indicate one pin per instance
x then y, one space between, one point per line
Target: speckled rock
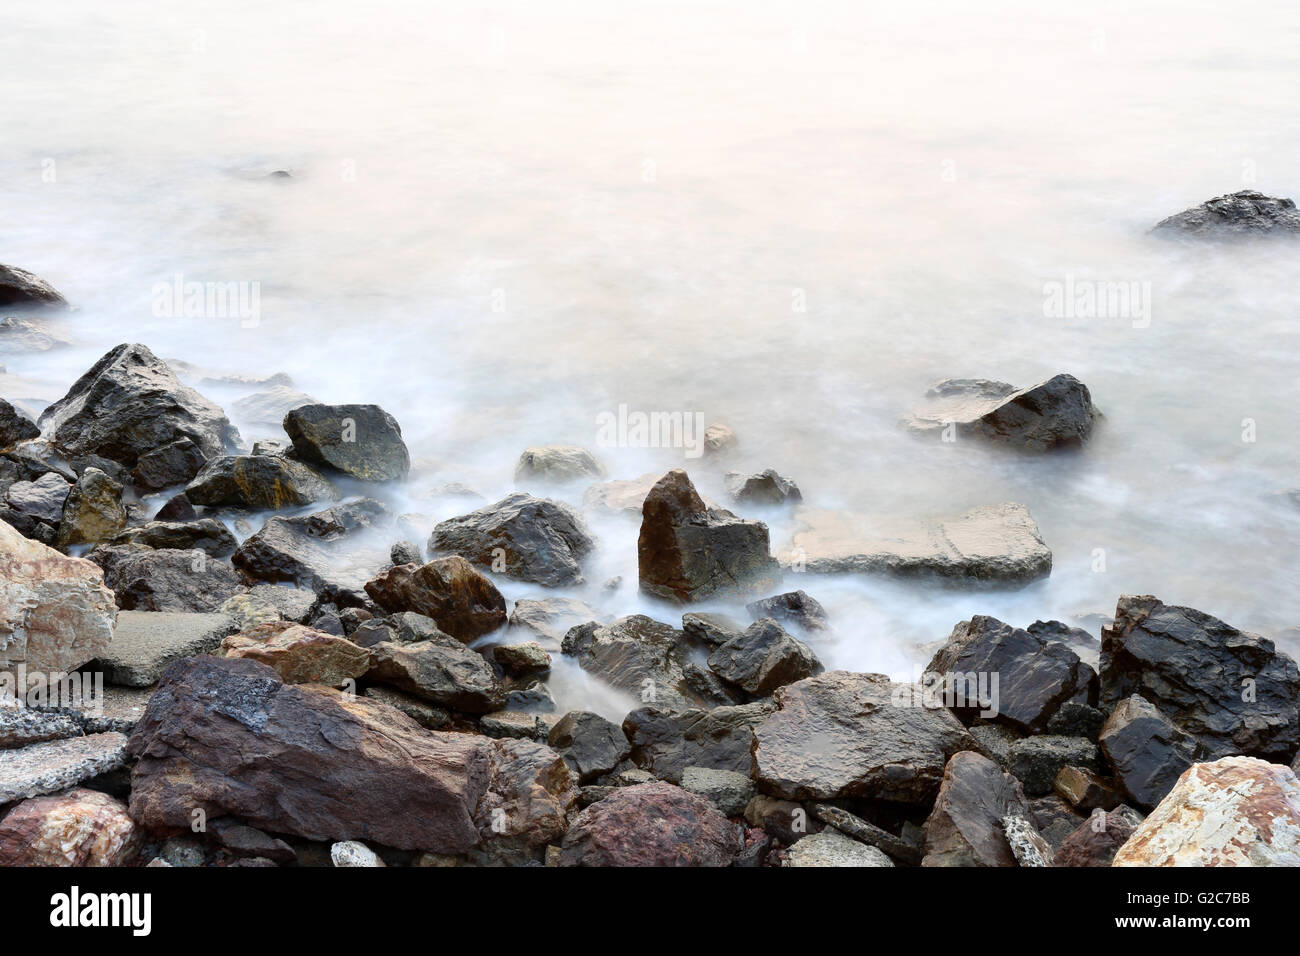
832 848
58 764
354 853
651 824
76 828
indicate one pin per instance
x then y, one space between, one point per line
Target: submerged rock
258 481
1057 413
18 287
651 824
557 463
1243 213
624 496
462 601
550 619
362 441
268 408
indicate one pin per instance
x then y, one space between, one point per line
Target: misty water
502 222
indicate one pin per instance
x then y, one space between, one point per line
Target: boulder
713 630
1037 760
23 335
146 642
77 828
651 824
1236 811
842 735
1229 689
463 602
362 441
766 488
589 744
93 510
1096 841
522 537
299 654
258 482
130 405
550 619
406 552
763 658
557 464
18 287
166 580
55 613
528 803
520 660
1243 213
832 848
688 552
1146 750
58 764
997 546
666 742
793 607
202 534
1085 790
1054 414
965 828
35 508
15 426
443 672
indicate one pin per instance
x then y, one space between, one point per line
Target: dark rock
1074 719
868 833
362 441
652 824
666 742
1243 213
522 537
204 534
965 828
1054 414
35 508
711 629
727 790
177 509
995 741
1055 818
165 579
765 488
463 602
444 672
258 481
764 658
169 464
406 552
18 287
589 744
422 712
245 841
1096 841
793 607
15 426
1148 752
1037 760
1080 641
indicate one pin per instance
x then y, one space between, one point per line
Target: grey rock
167 579
1026 843
352 853
763 658
1146 750
1054 414
589 744
711 629
1037 760
995 741
727 790
1243 213
203 534
258 481
551 619
896 847
18 287
832 848
666 742
93 510
965 826
422 712
29 505
443 672
15 426
557 463
20 726
793 607
362 441
765 488
406 552
145 642
58 764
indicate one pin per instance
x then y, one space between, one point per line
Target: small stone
1029 847
353 853
832 848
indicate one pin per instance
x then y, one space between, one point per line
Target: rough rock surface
145 642
21 725
1237 811
18 287
1057 413
166 579
14 425
58 764
833 848
35 508
1243 213
651 824
1147 752
965 828
353 853
1027 844
589 744
557 463
1096 841
864 832
763 658
442 671
362 441
793 607
299 654
204 534
765 488
666 742
1037 760
258 481
462 601
522 537
727 790
77 828
93 510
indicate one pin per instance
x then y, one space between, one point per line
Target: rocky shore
286 671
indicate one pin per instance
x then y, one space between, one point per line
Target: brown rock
76 828
965 828
1085 790
530 794
651 824
1096 841
300 655
462 601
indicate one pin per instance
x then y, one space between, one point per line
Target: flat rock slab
58 764
995 546
145 642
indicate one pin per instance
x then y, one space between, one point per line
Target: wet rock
557 464
688 552
170 464
767 488
1037 760
1146 750
354 853
666 742
997 546
965 827
793 607
1236 811
362 441
406 552
832 848
1231 690
1027 845
258 481
652 824
93 510
461 600
868 833
18 287
522 659
177 509
35 508
532 700
522 537
843 735
727 790
77 828
1096 841
204 534
1054 414
1076 638
15 426
55 613
711 629
443 672
300 655
130 405
146 642
1035 677
1243 213
551 619
58 764
763 658
166 580
589 744
267 408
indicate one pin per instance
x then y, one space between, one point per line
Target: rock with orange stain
77 828
299 654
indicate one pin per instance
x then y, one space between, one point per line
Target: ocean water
506 219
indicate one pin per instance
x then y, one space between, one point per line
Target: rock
93 510
832 848
667 742
1096 841
965 827
512 724
249 842
719 438
258 481
58 764
1080 641
532 700
55 613
624 496
1055 818
522 537
1236 811
688 552
1074 719
130 405
727 790
183 852
21 335
522 659
77 828
793 607
423 713
406 552
763 658
995 741
35 508
711 629
843 735
354 853
530 797
1085 790
362 441
18 287
300 655
589 744
1229 689
1035 677
443 672
766 488
267 408
146 642
22 725
1243 213
783 819
868 833
462 601
551 619
1148 752
15 426
229 737
166 579
265 603
557 464
1028 846
1037 760
327 550
177 509
1054 414
204 534
171 464
643 657
651 824
997 546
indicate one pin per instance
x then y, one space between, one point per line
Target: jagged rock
258 481
1243 213
22 725
167 579
727 790
1057 413
462 601
1037 760
651 824
763 658
1035 677
793 607
1229 689
557 463
1236 811
997 546
522 659
203 534
1076 638
267 408
711 629
1074 719
177 510
1096 841
688 552
512 724
362 441
589 744
965 826
868 833
1085 790
130 405
530 797
15 426
1054 817
765 488
843 735
1027 845
551 619
58 764
1148 752
443 672
146 642
35 508
300 655
93 510
522 537
406 552
666 742
55 613
995 741
77 828
832 848
354 853
18 287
